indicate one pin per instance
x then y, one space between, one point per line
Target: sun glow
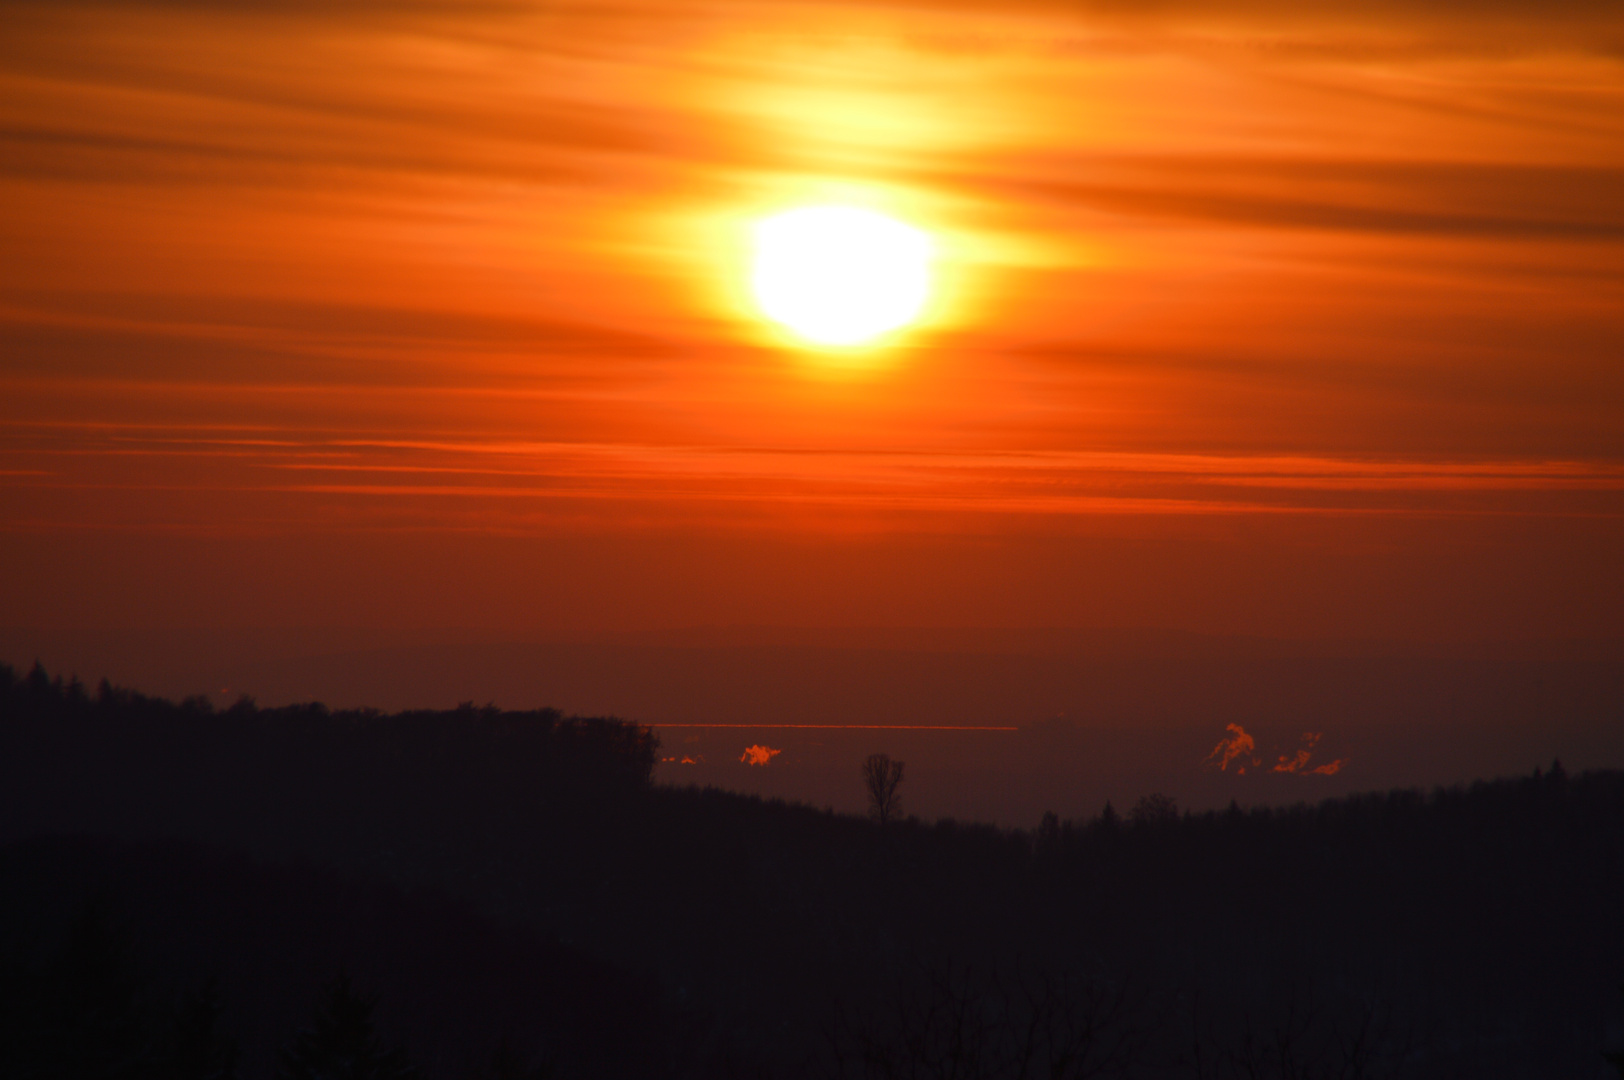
840 276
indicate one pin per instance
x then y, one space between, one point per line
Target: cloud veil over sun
1240 316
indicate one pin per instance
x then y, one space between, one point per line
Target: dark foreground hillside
178 884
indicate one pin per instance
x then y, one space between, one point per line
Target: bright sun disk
840 275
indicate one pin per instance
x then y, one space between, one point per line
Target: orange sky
1248 321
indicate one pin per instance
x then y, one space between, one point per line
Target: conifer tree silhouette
1154 809
1046 841
509 1064
198 1049
1615 1058
341 1044
91 1023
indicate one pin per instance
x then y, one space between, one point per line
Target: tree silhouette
342 1044
1154 809
955 1020
198 1048
1046 841
1615 1059
88 1020
882 776
509 1064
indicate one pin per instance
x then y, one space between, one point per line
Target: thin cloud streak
854 727
922 481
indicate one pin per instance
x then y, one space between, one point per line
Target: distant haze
1100 714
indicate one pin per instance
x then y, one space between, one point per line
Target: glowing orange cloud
758 755
1238 744
1300 759
1298 762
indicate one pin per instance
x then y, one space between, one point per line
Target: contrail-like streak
853 727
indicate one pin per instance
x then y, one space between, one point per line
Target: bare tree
882 777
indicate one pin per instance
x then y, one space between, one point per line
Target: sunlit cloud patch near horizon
1240 749
1237 748
759 755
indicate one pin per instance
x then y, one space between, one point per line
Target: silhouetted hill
453 989
1472 931
1101 714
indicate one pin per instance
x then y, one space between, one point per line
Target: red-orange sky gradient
1254 317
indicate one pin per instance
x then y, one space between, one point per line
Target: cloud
304 9
1515 26
498 476
1298 762
1240 748
1460 200
1238 745
758 755
1356 12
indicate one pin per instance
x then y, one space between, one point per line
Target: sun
840 276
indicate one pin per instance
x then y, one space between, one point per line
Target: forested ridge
518 898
